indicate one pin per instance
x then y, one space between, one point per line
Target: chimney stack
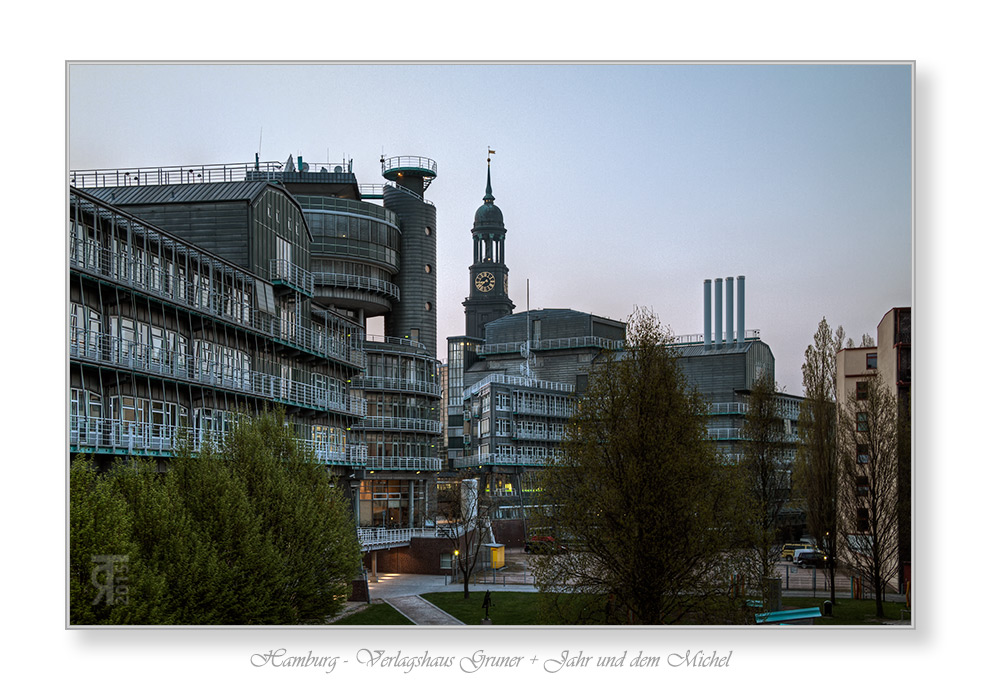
708 314
730 339
718 312
741 309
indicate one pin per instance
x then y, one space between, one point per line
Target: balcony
292 275
108 435
496 459
540 435
512 380
590 341
394 384
159 283
360 282
426 464
112 351
388 423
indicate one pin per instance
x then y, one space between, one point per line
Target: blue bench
754 603
785 616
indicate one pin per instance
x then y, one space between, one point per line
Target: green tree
304 512
253 533
110 580
870 486
767 459
653 517
816 471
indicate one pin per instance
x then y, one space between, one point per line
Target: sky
621 185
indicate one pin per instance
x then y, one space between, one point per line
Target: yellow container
497 555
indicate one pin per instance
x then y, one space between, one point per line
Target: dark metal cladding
415 317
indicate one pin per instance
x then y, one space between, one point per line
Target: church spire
488 195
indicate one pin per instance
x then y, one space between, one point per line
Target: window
861 485
862 391
871 360
862 454
862 422
862 519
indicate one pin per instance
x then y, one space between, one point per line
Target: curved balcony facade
355 253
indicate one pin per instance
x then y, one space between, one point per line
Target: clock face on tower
484 281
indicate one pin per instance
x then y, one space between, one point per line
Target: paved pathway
420 611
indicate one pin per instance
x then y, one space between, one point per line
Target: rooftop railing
194 174
513 380
589 341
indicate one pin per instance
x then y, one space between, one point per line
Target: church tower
488 299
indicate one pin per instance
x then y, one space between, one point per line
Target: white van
798 552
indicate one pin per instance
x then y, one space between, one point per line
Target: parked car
811 557
791 547
544 544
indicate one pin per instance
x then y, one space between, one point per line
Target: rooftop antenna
527 325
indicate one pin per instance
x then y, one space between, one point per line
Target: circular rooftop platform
402 166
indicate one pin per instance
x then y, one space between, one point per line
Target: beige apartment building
891 359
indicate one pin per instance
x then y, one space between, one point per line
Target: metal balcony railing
732 407
518 381
546 435
292 274
194 174
726 434
530 408
92 257
361 282
395 384
422 425
131 355
428 464
510 460
550 344
142 437
394 340
382 538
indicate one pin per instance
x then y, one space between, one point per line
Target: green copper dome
488 214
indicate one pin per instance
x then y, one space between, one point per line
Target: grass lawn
375 614
509 608
506 608
847 611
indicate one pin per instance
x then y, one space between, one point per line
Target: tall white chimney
730 339
718 311
741 309
708 314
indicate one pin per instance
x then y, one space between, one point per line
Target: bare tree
816 473
766 460
869 498
653 517
465 520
